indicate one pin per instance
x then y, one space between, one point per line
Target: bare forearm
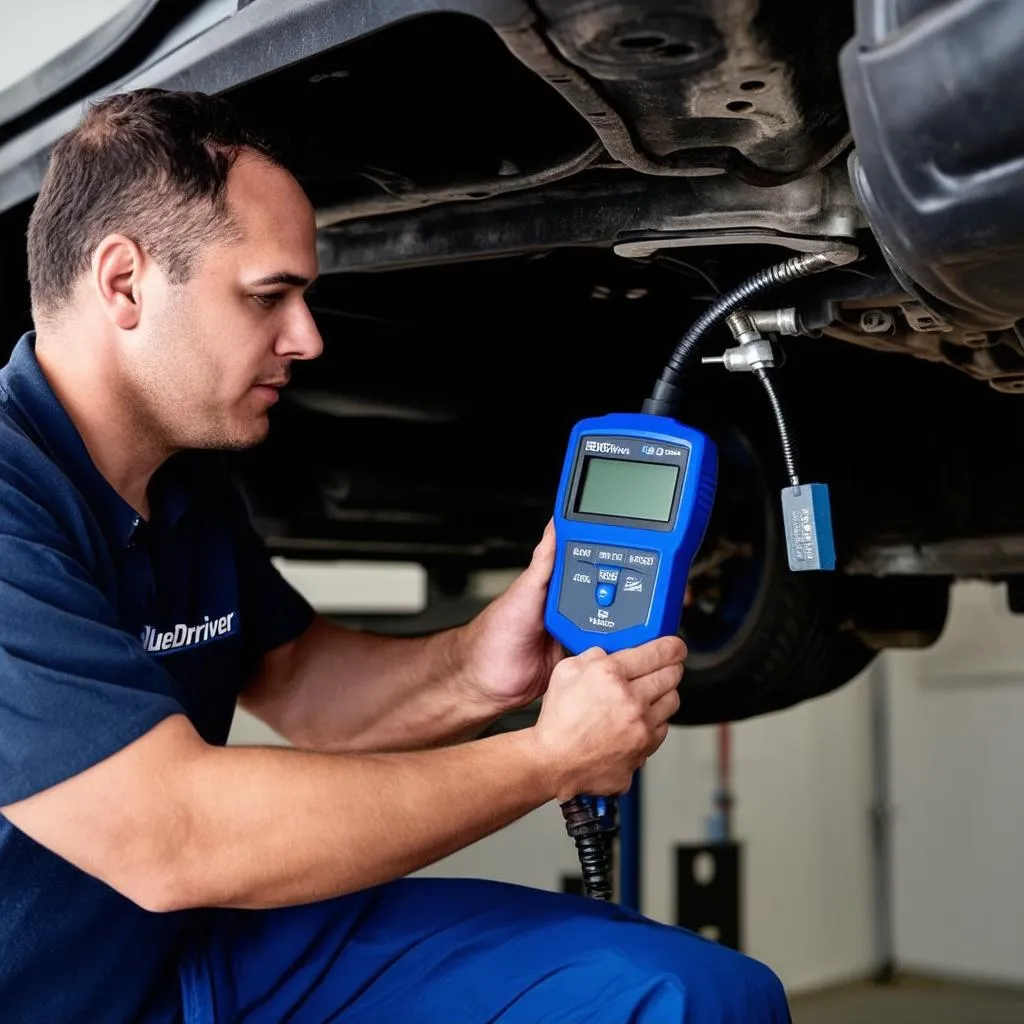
355 691
271 827
171 822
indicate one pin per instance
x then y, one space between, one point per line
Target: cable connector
753 351
754 355
778 321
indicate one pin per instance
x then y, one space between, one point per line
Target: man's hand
605 714
508 655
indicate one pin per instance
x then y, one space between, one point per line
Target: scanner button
605 594
632 583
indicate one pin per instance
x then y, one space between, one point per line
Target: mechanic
148 871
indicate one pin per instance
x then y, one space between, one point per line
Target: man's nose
301 338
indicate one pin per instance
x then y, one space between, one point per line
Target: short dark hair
150 164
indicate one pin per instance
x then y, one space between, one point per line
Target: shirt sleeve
74 686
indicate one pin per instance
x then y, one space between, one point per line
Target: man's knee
722 986
719 987
759 993
740 990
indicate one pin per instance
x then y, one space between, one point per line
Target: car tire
790 640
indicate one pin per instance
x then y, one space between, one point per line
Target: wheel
761 637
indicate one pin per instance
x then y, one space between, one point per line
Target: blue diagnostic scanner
633 503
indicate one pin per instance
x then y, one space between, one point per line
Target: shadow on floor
911 1001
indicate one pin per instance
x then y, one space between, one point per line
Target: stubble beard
171 393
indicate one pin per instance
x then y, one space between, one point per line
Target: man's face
214 352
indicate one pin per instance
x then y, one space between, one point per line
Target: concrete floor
911 1001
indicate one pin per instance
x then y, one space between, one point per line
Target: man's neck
87 386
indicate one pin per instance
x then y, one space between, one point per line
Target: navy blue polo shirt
108 625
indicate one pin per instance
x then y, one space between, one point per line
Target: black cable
780 420
665 395
584 828
582 821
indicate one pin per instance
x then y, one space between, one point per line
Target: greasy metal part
698 88
924 320
748 238
752 352
907 343
776 321
816 214
411 197
996 358
636 216
742 328
876 321
813 263
751 355
961 557
527 44
744 87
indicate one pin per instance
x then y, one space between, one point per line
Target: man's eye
268 300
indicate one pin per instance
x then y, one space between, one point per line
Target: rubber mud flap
935 98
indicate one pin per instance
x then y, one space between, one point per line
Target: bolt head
876 321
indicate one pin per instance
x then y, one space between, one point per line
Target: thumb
543 561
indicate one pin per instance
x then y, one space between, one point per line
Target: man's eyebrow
282 277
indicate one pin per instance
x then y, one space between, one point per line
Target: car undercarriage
521 208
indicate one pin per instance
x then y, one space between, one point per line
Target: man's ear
117 264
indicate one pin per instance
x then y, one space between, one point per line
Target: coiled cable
584 827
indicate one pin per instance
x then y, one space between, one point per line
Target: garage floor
911 1001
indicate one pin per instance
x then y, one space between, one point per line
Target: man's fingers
664 707
660 735
651 656
655 685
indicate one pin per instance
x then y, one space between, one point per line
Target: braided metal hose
780 421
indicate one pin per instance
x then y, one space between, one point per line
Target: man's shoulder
35 493
24 464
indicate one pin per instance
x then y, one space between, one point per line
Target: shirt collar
23 383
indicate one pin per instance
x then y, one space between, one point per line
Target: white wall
34 32
958 794
804 782
803 791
